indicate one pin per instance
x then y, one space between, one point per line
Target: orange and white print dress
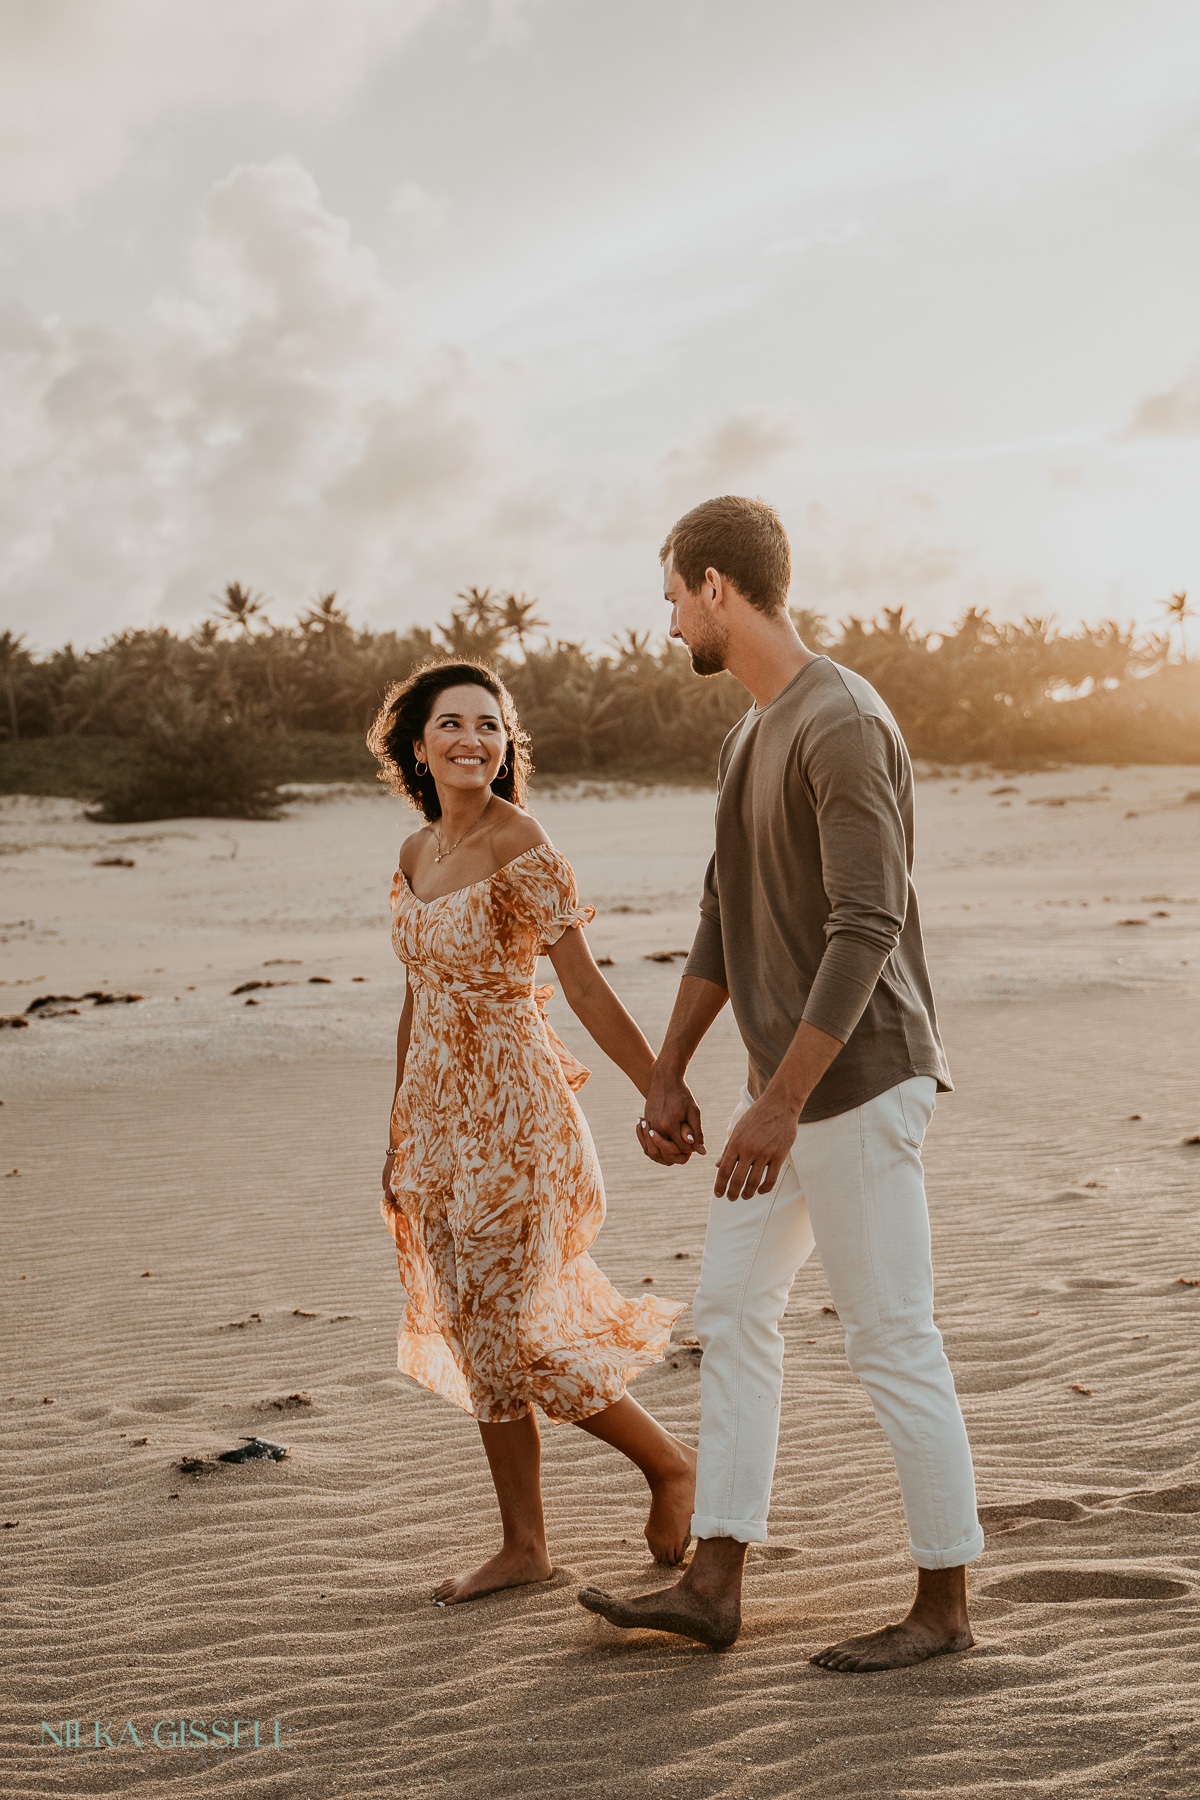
496 1192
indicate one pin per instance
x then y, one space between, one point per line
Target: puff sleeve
550 898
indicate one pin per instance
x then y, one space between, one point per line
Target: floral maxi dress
496 1192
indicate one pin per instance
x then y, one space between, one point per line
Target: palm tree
13 659
1178 612
328 622
1108 652
518 616
811 626
477 629
238 606
325 611
481 604
632 646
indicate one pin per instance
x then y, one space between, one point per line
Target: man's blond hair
741 539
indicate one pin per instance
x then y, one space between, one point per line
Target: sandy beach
195 1256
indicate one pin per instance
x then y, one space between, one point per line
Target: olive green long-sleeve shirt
808 910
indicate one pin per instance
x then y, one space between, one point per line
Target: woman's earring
421 768
503 770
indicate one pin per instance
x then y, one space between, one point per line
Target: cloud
860 559
422 220
271 421
634 503
727 455
820 237
81 80
1173 413
272 418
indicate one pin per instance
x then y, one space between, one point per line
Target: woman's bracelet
390 1152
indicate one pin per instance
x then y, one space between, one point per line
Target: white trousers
854 1189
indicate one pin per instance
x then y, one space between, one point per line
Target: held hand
388 1165
756 1150
670 1129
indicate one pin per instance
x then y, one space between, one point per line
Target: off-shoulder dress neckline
483 880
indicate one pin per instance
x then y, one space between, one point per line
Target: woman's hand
670 1129
389 1163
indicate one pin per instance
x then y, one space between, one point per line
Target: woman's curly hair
406 710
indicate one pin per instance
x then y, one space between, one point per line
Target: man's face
692 622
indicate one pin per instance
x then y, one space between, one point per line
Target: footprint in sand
1071 1586
1007 1516
166 1403
1184 1499
770 1559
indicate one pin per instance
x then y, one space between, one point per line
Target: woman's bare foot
508 1568
668 1464
668 1529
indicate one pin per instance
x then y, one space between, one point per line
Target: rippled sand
194 1256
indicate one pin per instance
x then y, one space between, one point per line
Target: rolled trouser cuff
952 1558
746 1531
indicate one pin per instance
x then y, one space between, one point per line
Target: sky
396 297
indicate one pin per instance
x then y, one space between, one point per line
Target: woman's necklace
442 853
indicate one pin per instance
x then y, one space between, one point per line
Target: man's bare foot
508 1568
672 1502
937 1625
705 1604
892 1647
674 1609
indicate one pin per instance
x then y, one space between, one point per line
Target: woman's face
465 741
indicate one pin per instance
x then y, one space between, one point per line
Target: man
809 925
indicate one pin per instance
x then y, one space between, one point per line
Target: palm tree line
984 690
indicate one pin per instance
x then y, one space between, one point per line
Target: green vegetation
83 768
197 758
153 724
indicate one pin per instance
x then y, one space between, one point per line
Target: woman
490 1185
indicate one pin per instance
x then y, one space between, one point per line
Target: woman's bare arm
403 1033
598 1009
673 1130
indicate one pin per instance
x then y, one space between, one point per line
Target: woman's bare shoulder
515 831
410 848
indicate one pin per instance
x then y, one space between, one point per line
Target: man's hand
670 1129
758 1145
756 1149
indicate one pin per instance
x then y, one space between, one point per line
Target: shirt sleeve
707 956
852 773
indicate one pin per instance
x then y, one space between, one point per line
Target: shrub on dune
198 760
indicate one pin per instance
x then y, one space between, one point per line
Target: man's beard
707 649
